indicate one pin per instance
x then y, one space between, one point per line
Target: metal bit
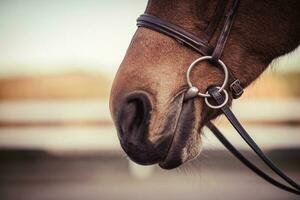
191 93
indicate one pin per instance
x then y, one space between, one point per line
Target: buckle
236 89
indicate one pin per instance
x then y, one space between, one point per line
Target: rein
219 94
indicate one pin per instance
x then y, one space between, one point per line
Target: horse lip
183 127
154 154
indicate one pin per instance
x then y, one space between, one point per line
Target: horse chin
186 143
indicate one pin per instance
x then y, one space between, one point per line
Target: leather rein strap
205 48
218 98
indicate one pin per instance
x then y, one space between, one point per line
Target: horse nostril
134 116
133 127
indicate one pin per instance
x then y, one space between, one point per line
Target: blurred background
57 141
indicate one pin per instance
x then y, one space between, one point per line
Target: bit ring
225 70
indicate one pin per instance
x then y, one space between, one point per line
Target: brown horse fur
155 63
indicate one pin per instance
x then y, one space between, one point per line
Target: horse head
154 123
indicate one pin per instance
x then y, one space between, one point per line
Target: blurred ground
35 175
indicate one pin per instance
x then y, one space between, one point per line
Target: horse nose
133 124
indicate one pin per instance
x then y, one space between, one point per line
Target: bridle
219 95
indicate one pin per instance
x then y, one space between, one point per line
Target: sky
38 36
51 35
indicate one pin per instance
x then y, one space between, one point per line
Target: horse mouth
185 144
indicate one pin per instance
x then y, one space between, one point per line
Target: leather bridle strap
219 99
176 32
202 46
225 31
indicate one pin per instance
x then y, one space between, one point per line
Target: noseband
219 95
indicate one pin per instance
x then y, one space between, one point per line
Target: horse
155 124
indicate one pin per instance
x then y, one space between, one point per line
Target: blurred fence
85 125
